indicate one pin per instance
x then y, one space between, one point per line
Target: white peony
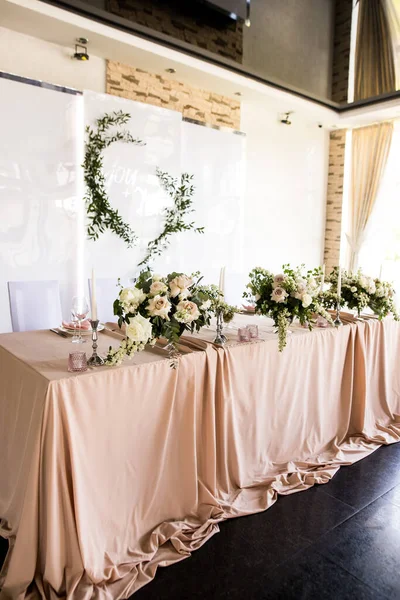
306 300
130 298
159 306
279 294
206 305
139 330
158 287
187 312
179 286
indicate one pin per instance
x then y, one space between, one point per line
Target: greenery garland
99 210
101 215
181 195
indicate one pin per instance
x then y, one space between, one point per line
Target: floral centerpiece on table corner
218 304
156 307
292 293
359 292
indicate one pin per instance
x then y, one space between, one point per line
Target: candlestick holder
337 322
95 360
220 338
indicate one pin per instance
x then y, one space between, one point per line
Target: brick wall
341 50
340 82
185 20
334 199
136 84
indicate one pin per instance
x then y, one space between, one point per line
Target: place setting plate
69 331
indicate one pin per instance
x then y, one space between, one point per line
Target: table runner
108 474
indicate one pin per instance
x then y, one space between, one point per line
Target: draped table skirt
108 474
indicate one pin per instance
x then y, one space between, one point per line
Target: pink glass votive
253 330
243 334
321 322
77 361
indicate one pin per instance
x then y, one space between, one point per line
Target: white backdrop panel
38 192
217 161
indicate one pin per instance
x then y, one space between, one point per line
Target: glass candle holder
253 330
243 334
77 361
321 322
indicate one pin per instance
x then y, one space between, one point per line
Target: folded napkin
113 330
195 343
84 325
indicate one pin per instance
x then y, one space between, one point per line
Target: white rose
279 278
206 305
159 306
187 312
156 277
353 289
139 330
179 285
306 300
130 298
157 287
279 294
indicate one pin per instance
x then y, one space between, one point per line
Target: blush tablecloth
108 474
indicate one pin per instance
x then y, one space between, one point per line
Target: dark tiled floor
339 541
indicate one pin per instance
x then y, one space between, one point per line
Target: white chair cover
34 305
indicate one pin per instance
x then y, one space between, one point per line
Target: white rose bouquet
359 292
382 301
292 293
156 307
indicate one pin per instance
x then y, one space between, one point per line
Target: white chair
106 293
34 305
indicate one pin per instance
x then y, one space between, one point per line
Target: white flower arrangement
359 292
157 307
292 293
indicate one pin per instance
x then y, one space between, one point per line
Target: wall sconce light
81 52
286 120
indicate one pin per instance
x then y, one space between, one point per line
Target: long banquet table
108 474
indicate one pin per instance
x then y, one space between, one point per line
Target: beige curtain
374 60
370 152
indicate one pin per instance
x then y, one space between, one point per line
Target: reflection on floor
337 541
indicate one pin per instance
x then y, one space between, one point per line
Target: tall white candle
380 272
339 283
322 278
94 303
222 280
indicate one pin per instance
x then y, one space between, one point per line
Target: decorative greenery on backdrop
182 195
100 213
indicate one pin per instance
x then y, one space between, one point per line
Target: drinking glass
80 310
74 320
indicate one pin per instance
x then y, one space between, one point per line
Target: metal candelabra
95 360
337 322
220 338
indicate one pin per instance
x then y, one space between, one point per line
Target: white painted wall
34 58
285 195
